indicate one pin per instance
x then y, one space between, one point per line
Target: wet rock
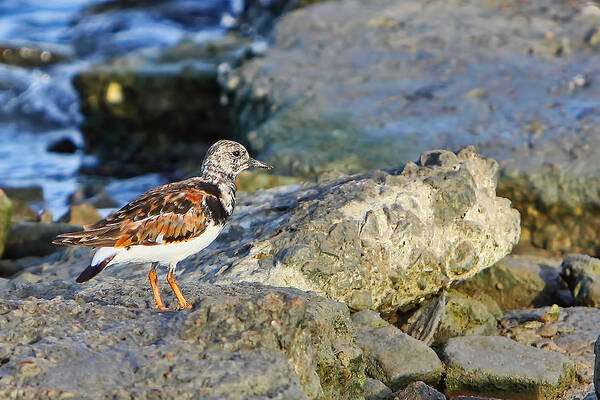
518 281
239 340
419 391
34 238
6 210
139 113
32 194
494 366
259 16
393 357
64 145
376 390
31 55
582 275
81 214
453 314
22 212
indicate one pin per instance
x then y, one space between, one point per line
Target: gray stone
105 340
518 281
34 238
453 314
376 390
419 391
6 211
582 275
368 319
31 194
499 367
393 357
400 236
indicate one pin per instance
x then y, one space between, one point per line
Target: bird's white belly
166 254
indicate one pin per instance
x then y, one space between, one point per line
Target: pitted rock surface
102 340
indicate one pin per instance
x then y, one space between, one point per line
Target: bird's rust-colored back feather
166 214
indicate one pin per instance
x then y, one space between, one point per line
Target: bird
169 222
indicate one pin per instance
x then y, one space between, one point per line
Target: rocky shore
335 290
375 267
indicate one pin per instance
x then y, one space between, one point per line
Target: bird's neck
225 183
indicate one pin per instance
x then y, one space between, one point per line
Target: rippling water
40 105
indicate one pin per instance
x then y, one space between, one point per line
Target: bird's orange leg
155 291
182 301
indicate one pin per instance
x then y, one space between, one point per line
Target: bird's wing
166 214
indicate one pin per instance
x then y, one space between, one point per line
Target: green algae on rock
6 211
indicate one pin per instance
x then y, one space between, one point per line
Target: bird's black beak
252 163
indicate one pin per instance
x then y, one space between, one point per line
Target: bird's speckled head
228 158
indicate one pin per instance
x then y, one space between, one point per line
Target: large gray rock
392 356
495 366
381 240
582 275
105 340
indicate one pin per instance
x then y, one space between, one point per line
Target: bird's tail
95 267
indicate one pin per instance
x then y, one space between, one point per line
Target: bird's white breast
165 254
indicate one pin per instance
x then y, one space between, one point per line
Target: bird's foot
162 308
184 306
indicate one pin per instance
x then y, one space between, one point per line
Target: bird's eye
236 153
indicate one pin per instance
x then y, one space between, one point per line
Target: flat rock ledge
380 241
101 341
493 366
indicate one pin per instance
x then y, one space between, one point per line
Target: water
39 105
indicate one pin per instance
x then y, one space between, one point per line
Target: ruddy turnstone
170 222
